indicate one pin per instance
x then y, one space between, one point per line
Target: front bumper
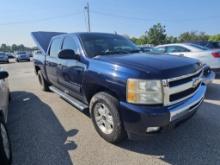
3 60
137 118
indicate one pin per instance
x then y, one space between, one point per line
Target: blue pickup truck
126 91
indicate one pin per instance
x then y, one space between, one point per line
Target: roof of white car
186 45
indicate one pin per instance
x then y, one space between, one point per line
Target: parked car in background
208 44
5 148
205 55
126 91
30 53
10 55
4 57
145 48
37 52
22 56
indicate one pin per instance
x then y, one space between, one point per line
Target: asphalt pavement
46 130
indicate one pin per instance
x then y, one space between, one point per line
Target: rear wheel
44 84
5 147
106 117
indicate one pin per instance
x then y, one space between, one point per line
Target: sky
19 18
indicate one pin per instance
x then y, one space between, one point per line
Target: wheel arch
94 88
36 69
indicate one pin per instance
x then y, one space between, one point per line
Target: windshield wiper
116 52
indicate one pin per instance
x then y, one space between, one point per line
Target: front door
71 71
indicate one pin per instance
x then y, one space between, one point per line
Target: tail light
216 54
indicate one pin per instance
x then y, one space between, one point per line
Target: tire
112 120
44 84
5 156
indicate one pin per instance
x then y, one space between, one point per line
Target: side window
160 50
55 47
69 43
176 49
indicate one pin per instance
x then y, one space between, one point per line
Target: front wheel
106 117
5 147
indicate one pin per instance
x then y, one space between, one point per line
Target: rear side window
69 43
173 49
55 47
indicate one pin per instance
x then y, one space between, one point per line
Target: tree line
157 35
14 47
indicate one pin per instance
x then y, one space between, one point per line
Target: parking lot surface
46 130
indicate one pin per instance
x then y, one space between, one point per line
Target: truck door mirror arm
68 54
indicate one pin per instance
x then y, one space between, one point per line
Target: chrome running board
76 103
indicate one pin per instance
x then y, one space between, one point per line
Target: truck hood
42 39
167 66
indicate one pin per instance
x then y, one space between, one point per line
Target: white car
5 148
205 55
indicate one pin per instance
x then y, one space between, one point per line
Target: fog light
152 129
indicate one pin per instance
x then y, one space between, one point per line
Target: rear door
70 70
52 61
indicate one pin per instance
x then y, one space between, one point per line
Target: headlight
144 91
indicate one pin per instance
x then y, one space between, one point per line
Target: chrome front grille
180 88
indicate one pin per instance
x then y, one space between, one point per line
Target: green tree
171 39
156 34
14 47
193 36
139 41
214 37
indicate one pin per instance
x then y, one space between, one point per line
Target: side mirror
3 75
68 54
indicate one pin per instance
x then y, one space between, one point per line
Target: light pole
88 16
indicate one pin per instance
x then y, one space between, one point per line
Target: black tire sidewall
42 81
3 157
118 133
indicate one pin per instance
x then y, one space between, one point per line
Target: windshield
199 47
106 44
2 54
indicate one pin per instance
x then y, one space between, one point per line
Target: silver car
4 57
5 148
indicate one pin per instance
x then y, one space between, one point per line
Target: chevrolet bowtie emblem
195 83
